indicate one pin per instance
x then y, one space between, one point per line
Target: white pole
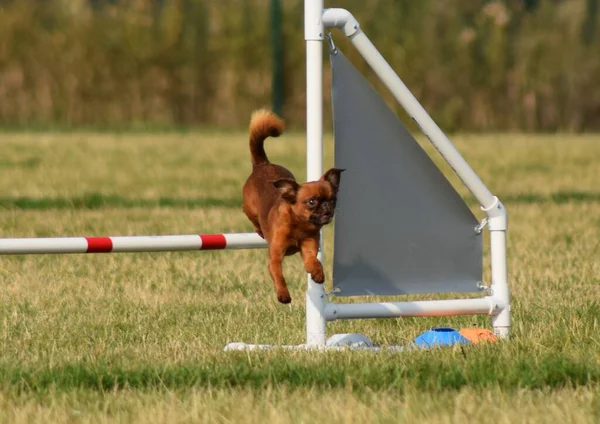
499 286
313 34
424 308
63 245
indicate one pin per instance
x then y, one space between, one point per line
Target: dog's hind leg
252 215
255 223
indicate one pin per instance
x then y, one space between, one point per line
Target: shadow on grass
27 163
102 201
428 371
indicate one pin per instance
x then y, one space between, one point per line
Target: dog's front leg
276 255
309 250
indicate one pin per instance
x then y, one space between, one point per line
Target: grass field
139 337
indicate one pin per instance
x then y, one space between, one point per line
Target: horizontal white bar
485 305
245 241
59 245
155 243
17 246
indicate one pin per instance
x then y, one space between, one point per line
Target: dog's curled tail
263 124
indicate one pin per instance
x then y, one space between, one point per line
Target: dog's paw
318 276
284 297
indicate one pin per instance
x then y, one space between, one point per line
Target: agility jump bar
122 244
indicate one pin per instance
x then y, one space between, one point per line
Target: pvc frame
318 309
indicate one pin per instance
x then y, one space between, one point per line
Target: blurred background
476 65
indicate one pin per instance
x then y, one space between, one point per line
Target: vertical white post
313 34
498 225
499 287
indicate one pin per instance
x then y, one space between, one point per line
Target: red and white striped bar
50 245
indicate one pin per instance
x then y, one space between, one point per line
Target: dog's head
313 202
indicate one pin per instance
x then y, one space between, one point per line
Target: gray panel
400 226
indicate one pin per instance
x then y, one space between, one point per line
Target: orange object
476 335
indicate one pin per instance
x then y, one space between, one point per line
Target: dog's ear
288 188
332 176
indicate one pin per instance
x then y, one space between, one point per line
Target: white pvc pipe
62 245
485 305
342 19
499 286
313 21
313 33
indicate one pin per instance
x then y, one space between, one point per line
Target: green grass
359 373
100 201
140 337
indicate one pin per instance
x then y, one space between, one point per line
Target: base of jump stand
349 341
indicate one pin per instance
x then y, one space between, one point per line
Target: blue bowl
440 337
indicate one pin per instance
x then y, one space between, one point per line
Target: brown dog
288 215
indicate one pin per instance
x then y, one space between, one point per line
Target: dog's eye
312 202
